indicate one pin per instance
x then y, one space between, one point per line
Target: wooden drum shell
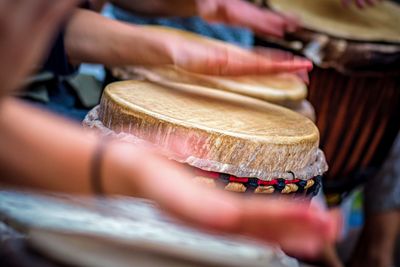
359 119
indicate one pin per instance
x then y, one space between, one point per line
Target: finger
272 22
264 66
170 186
203 208
360 3
292 21
260 21
289 224
303 75
346 3
297 64
242 62
337 223
236 67
370 2
273 54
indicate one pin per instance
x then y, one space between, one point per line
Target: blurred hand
360 3
282 55
207 56
26 27
241 13
298 228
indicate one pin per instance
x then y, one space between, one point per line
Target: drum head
374 24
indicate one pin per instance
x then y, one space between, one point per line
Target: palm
297 227
201 55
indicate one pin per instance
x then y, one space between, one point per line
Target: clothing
235 35
53 92
57 87
382 193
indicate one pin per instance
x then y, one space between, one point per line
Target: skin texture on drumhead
378 23
214 125
284 88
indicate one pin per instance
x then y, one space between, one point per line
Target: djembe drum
355 86
234 142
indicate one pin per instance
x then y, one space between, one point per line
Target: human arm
93 38
234 12
43 151
165 8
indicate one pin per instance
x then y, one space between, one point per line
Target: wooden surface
359 119
379 23
214 125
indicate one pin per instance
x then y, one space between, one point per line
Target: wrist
145 45
120 170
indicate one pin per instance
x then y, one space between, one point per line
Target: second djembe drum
355 86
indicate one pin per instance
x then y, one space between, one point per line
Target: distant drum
355 85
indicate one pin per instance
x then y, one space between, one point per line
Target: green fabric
40 78
38 93
88 89
37 87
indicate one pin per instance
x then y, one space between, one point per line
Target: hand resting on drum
93 38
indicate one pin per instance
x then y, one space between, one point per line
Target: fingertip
308 65
360 4
336 225
220 213
307 248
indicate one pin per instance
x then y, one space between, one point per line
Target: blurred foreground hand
300 229
53 154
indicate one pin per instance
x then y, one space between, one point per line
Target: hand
298 228
281 55
26 27
361 3
241 13
203 55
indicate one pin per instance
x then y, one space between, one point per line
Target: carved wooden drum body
355 85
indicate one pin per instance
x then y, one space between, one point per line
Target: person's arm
181 8
234 12
93 38
39 150
43 151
